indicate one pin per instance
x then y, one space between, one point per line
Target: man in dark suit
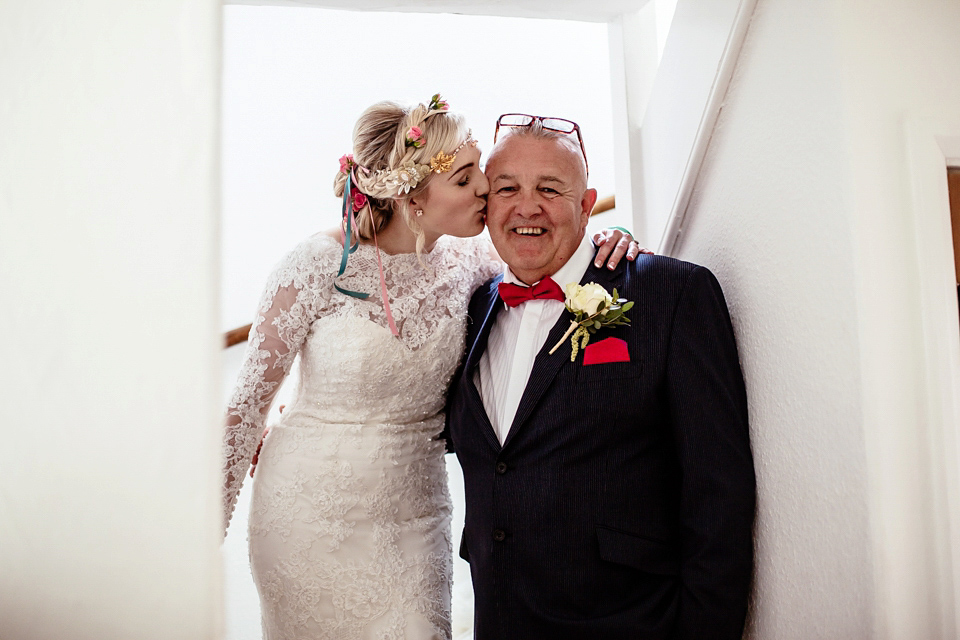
611 496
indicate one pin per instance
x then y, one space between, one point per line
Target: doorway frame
932 148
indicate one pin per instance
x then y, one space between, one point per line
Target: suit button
501 468
499 535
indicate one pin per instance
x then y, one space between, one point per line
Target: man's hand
613 245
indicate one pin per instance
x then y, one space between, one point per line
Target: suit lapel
490 308
546 366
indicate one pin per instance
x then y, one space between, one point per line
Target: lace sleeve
289 305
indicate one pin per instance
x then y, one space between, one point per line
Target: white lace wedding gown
350 516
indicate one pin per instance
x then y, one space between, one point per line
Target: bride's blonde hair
381 150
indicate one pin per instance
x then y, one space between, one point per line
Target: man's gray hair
537 131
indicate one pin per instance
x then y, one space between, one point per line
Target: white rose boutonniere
592 308
587 298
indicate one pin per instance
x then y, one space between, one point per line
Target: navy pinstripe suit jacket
621 503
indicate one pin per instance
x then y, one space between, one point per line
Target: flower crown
400 180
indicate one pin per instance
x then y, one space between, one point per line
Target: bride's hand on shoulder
613 245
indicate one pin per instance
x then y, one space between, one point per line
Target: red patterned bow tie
546 289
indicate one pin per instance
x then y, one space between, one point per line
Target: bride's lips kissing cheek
455 203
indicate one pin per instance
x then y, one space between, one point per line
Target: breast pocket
608 371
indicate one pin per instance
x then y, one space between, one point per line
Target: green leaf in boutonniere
593 309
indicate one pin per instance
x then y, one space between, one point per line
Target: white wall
891 90
108 201
638 38
804 210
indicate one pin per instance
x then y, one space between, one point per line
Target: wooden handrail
604 204
241 334
236 336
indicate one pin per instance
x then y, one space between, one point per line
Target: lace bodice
354 370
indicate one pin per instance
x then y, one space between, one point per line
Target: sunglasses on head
560 125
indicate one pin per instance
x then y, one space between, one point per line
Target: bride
350 517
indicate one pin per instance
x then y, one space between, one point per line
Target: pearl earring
419 212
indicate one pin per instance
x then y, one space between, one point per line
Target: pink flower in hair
359 200
415 137
346 163
438 103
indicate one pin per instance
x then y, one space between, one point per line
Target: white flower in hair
405 177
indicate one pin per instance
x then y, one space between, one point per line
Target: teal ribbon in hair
350 243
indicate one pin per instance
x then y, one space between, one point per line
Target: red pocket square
608 350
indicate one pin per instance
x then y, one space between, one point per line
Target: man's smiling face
538 205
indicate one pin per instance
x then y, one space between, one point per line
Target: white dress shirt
515 340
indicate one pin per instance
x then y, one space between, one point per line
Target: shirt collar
571 271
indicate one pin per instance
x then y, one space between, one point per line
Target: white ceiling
583 10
